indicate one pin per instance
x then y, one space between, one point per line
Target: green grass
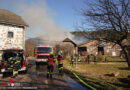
114 59
101 71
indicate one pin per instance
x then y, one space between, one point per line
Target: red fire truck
42 52
5 64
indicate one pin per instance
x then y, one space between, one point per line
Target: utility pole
76 57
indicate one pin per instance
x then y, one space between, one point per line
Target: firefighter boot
15 73
60 70
51 76
47 75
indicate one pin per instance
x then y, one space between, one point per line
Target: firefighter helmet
51 53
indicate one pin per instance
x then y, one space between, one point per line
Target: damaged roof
68 40
7 17
93 42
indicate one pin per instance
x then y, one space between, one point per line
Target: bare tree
111 22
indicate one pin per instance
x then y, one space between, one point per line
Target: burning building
68 47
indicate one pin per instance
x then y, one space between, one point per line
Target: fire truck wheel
24 72
37 63
3 74
0 72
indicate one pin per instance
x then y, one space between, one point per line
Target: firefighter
11 62
72 60
88 57
60 63
16 65
50 66
95 61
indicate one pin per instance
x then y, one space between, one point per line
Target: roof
68 40
7 17
93 42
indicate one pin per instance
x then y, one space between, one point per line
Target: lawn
98 74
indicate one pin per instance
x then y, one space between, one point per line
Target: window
43 50
10 34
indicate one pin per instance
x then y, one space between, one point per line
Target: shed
68 40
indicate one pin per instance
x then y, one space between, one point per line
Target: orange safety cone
11 82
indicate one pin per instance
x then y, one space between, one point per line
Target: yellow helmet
51 53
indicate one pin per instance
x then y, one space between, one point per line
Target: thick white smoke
40 19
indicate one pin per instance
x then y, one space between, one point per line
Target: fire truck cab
42 53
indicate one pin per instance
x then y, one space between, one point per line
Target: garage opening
101 49
82 51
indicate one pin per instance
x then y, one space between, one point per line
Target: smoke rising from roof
40 20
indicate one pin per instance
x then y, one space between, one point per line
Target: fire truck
42 53
4 63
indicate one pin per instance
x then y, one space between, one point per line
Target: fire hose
83 81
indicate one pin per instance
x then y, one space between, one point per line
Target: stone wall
109 49
112 50
17 41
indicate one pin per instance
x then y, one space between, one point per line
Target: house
68 47
12 30
94 47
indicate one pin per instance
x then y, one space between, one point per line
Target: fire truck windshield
43 50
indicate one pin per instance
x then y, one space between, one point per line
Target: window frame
10 34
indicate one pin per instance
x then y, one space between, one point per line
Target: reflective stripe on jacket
50 61
60 59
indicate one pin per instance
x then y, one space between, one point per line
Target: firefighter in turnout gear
16 65
50 66
11 62
60 63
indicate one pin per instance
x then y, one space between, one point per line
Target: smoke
40 20
78 39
